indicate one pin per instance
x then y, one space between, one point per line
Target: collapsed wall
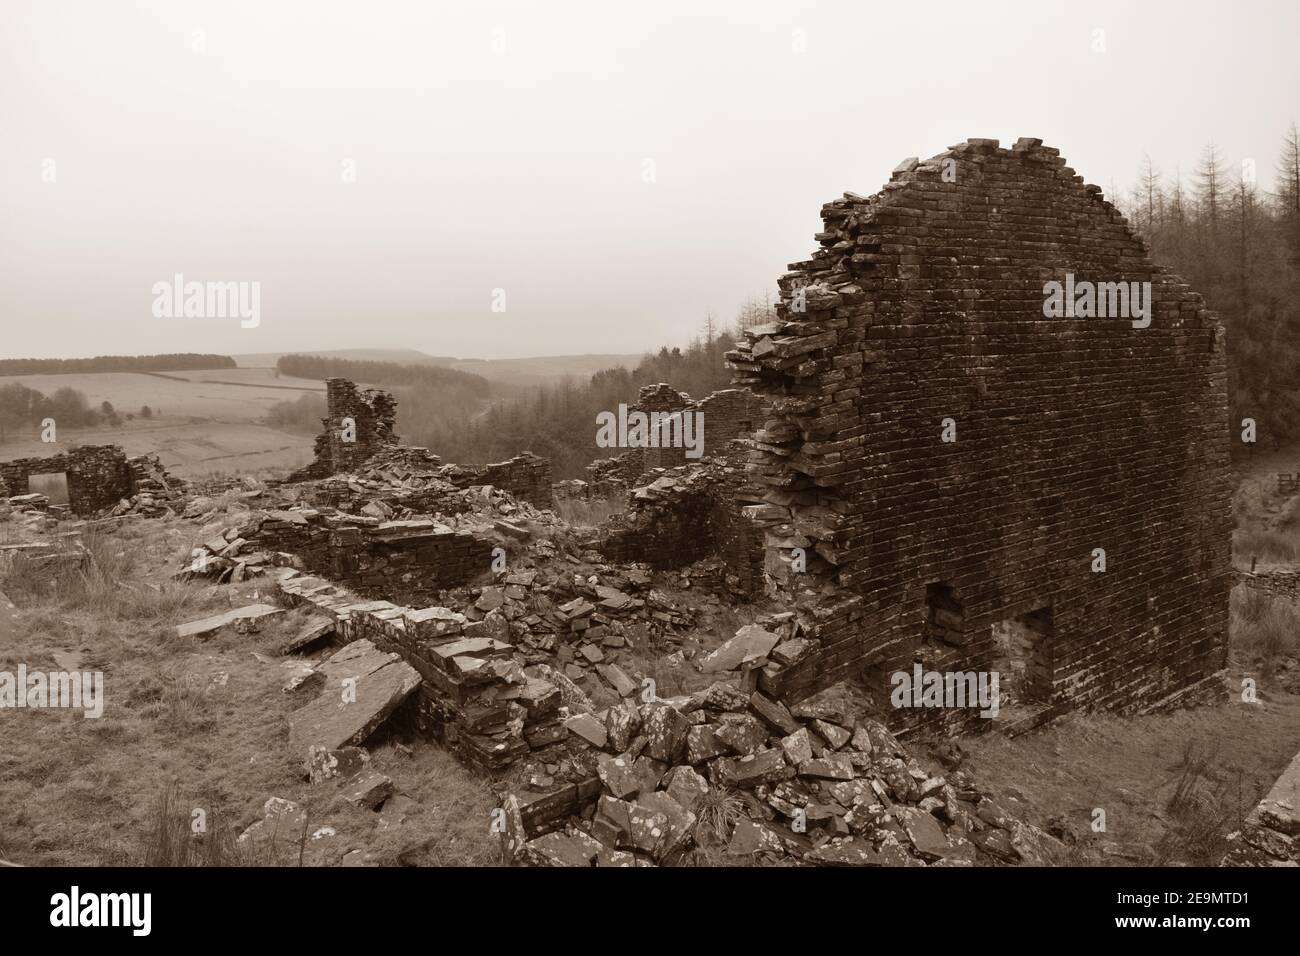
950 465
98 476
684 509
359 424
407 561
358 437
526 476
724 416
1270 834
689 513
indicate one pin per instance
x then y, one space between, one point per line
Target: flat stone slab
215 623
751 643
368 789
354 660
348 713
589 728
317 629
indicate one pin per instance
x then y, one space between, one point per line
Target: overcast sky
509 146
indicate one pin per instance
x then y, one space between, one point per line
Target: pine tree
1151 194
1209 185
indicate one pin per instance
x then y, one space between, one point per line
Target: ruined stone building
947 464
359 424
689 508
87 478
358 431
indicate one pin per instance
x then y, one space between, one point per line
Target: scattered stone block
209 625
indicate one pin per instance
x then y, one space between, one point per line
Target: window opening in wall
53 486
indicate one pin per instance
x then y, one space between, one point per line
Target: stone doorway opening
53 486
1023 649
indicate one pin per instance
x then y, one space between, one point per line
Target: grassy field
190 725
178 393
199 427
189 447
1172 786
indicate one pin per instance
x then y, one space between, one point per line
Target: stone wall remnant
406 560
726 415
99 476
358 437
358 425
688 513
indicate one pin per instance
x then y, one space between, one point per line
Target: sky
499 180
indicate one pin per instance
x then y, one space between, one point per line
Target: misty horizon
383 179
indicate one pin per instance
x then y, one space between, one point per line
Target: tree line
174 362
1239 246
23 408
384 374
558 420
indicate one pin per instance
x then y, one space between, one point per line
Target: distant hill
543 369
401 356
521 372
114 363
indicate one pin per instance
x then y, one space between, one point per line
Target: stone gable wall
925 302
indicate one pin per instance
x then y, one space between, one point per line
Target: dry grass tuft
1206 805
171 841
1265 628
718 811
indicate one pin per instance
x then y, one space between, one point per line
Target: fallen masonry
741 775
363 687
96 479
358 436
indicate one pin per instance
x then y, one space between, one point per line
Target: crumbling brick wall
372 412
689 513
925 303
729 414
99 476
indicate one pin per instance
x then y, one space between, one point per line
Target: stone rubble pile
739 773
496 671
157 494
31 512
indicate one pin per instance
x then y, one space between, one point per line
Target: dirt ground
1131 769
